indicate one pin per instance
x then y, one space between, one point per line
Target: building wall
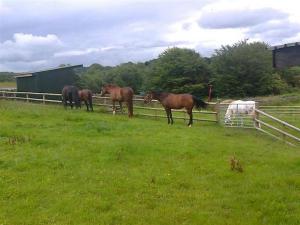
51 81
286 57
54 81
26 84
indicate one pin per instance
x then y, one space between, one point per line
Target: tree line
239 70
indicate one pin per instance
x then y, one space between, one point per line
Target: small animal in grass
236 165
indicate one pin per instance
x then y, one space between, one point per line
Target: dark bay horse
176 101
119 94
86 95
70 94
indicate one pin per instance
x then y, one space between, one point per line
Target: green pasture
73 167
8 84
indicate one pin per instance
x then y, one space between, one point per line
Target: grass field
8 85
72 167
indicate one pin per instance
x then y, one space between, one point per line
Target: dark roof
285 45
30 74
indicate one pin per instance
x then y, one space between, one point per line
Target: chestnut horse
176 101
86 95
70 93
119 94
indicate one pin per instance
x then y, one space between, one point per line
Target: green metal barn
47 81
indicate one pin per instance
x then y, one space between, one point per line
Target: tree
180 70
292 76
126 74
243 69
92 77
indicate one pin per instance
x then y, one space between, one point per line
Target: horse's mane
110 85
158 93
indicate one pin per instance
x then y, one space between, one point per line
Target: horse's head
148 97
104 90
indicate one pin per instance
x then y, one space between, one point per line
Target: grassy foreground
72 167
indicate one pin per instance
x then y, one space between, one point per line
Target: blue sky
39 34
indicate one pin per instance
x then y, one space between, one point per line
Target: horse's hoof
114 112
190 125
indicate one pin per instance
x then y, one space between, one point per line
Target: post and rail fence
154 110
262 121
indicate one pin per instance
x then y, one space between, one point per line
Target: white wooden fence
153 110
263 121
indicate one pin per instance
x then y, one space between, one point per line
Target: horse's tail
199 103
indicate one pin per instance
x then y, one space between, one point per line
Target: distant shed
47 81
286 55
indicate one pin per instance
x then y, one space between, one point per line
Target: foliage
7 76
238 70
243 69
92 77
127 74
279 86
181 70
73 167
292 76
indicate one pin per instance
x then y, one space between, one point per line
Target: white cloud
51 32
84 51
26 52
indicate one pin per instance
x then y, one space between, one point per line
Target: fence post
44 98
27 100
217 109
256 116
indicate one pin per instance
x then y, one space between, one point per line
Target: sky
41 34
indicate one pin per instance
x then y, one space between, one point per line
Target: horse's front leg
171 117
168 115
114 107
65 103
71 104
189 111
87 105
121 108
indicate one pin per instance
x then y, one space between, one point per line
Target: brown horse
176 101
120 94
86 95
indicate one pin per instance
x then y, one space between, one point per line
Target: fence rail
156 111
104 101
289 137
